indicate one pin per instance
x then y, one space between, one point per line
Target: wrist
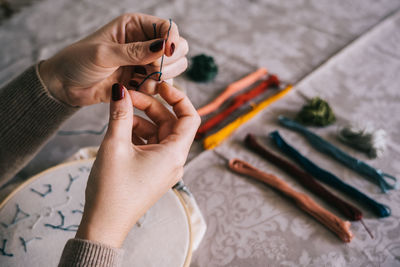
101 232
50 81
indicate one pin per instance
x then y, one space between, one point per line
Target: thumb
121 114
137 53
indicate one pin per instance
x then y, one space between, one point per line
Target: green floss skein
202 68
316 113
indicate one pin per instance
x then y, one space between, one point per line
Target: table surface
347 52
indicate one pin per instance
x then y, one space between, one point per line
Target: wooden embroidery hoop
176 193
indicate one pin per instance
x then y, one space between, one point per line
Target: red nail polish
172 49
157 46
140 70
118 92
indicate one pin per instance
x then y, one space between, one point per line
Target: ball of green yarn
202 68
316 113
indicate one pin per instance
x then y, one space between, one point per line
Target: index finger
169 31
188 121
137 27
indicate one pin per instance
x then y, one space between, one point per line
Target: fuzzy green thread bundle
316 113
202 68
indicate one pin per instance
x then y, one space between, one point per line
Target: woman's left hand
138 161
123 51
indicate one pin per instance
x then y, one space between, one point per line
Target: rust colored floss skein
332 222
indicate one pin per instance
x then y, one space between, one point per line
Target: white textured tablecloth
348 52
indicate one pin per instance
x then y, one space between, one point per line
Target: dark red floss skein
236 103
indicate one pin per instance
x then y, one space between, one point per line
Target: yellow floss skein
215 139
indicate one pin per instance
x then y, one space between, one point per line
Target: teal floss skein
326 177
376 175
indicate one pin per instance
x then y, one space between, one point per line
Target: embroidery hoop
172 194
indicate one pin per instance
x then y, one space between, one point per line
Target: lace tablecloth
347 52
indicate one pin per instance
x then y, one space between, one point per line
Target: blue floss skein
324 176
376 175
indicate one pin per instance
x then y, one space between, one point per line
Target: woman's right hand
124 51
138 161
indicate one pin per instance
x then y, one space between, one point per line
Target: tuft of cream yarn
364 137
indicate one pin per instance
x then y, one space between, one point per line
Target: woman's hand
126 48
138 161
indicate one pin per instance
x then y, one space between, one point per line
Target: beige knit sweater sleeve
79 252
29 116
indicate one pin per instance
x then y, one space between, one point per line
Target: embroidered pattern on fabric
61 226
43 194
17 217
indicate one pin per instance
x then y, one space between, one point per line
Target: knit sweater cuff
80 252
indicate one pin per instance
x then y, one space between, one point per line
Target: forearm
29 116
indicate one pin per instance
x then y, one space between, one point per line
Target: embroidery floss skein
324 176
364 138
332 222
376 175
232 89
203 68
316 112
243 109
215 139
352 213
238 101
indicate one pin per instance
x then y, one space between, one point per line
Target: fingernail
140 70
134 84
118 92
172 49
157 46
